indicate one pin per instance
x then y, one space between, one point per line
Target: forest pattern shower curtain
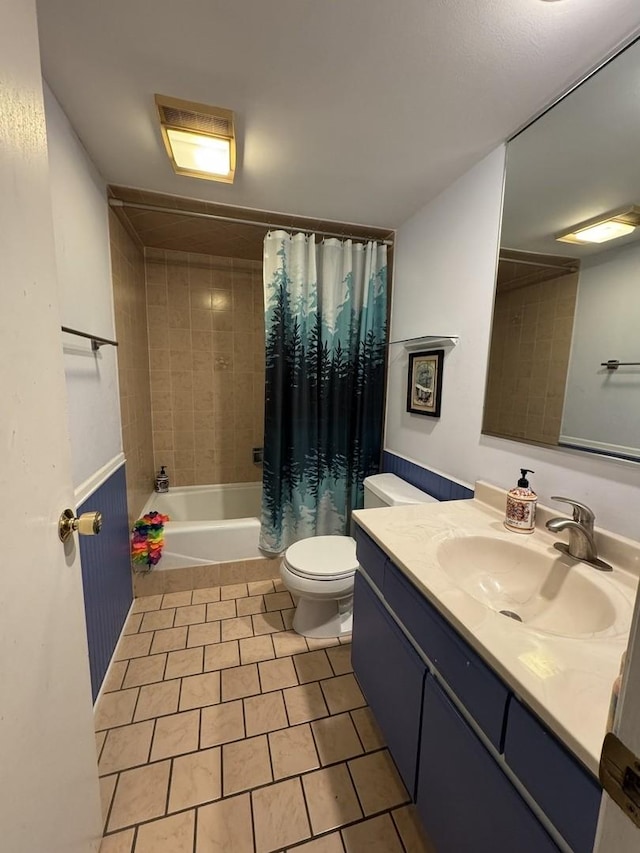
325 315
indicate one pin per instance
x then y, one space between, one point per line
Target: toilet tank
389 490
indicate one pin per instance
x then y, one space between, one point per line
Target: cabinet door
466 802
391 675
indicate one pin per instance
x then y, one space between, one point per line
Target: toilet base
323 619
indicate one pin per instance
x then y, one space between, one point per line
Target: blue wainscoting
106 573
422 478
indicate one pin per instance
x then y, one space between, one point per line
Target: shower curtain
325 315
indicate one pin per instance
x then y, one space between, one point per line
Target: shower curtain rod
566 267
117 202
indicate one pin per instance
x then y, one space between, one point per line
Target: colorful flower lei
148 538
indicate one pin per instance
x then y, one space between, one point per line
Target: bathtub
209 524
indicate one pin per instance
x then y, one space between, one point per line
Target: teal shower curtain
325 315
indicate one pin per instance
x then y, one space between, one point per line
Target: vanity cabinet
478 763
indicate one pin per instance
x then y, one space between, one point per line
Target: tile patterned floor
220 730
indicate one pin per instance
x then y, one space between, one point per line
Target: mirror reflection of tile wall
529 356
206 352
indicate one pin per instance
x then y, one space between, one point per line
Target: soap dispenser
162 481
521 506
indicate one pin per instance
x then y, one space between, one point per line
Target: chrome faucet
582 544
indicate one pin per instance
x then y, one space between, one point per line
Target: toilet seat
322 558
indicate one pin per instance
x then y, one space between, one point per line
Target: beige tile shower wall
206 354
530 345
127 263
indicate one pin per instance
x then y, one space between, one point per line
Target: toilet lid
323 557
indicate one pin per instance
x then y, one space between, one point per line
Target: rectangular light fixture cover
199 139
603 228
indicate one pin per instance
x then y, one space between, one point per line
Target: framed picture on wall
424 382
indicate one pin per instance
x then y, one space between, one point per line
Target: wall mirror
565 308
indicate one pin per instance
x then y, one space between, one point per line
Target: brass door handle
88 524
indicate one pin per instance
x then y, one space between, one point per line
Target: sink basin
544 591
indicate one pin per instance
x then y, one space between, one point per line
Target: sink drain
511 615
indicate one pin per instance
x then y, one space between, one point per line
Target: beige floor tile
221 724
312 666
278 585
342 693
204 634
327 844
411 831
378 783
267 623
240 682
345 639
115 676
254 649
336 738
278 601
370 734
233 590
331 798
322 643
276 674
200 690
225 827
304 703
287 618
175 735
100 739
132 625
186 662
107 787
377 835
115 709
157 620
173 834
176 599
253 604
289 643
221 610
127 746
169 640
133 646
245 765
292 751
264 713
145 670
221 656
146 602
260 587
141 794
195 779
236 629
279 816
191 615
203 596
119 842
157 700
340 659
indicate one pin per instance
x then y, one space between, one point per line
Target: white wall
602 407
80 217
445 262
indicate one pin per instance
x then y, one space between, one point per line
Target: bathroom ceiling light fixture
200 140
603 228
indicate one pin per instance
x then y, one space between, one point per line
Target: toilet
320 571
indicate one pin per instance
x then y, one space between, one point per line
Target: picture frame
424 382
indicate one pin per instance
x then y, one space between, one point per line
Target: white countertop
566 681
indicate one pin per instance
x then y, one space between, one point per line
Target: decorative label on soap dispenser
520 513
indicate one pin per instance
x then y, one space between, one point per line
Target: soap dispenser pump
162 481
521 506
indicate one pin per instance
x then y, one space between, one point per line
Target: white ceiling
359 111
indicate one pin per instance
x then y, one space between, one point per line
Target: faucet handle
581 512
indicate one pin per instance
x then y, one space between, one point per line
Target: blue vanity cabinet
391 675
465 801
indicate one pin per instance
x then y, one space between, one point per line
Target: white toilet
320 571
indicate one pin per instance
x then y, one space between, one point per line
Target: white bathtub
209 524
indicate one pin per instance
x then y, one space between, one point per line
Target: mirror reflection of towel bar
614 364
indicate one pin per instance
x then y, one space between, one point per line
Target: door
48 776
616 832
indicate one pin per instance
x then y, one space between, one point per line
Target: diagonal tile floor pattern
220 730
